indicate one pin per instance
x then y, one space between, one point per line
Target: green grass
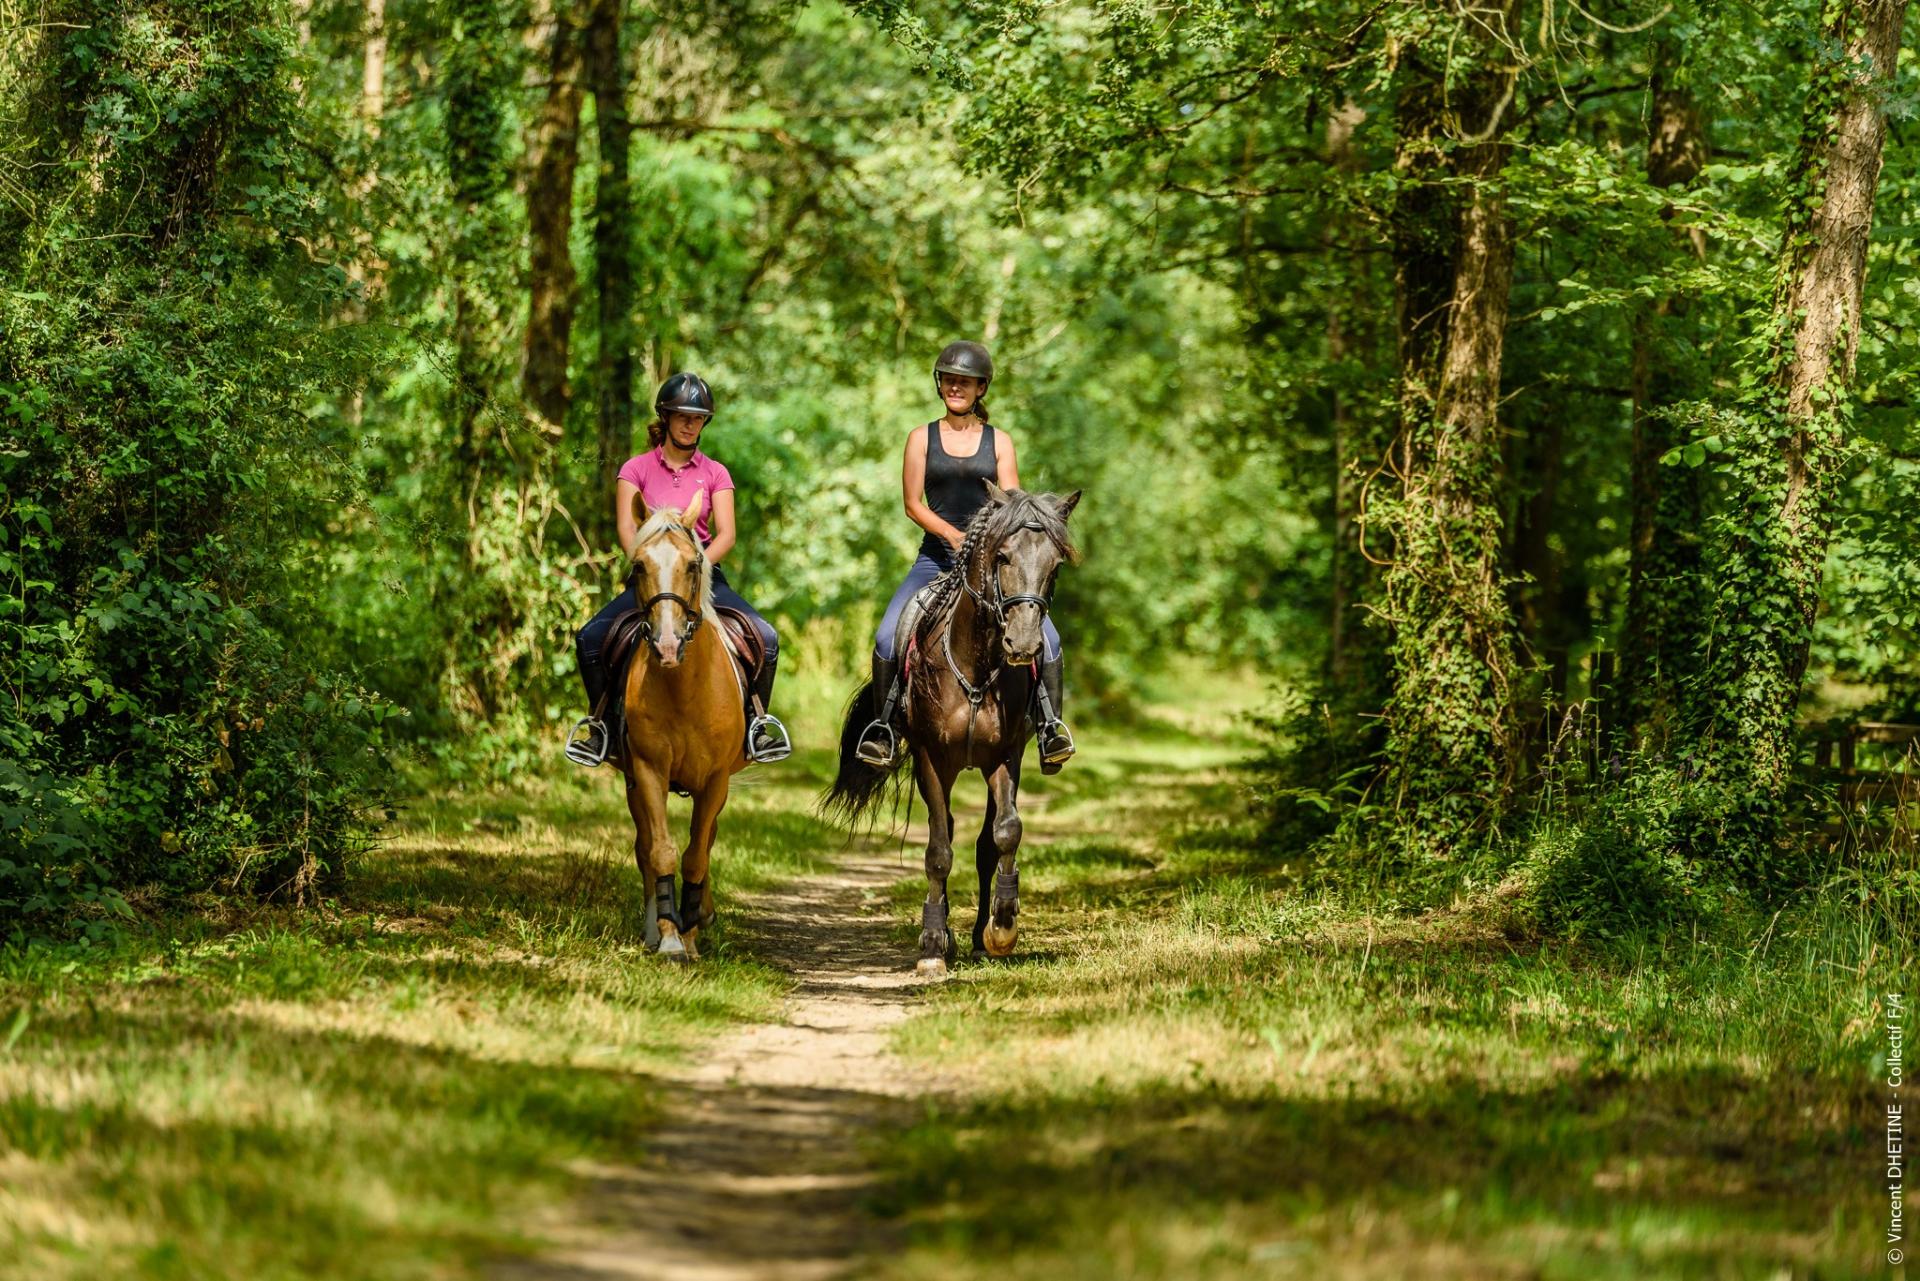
1194 1070
1191 1069
400 1084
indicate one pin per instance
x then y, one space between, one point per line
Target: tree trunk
475 130
373 66
613 251
1665 607
1449 718
1349 568
1426 234
1773 545
553 148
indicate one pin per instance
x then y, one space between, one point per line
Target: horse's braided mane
990 527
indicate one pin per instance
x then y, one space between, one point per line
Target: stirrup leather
583 748
779 745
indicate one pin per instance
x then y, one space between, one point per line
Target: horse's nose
667 648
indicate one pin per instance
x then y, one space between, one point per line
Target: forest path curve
757 1170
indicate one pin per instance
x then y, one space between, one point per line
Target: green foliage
1624 865
161 344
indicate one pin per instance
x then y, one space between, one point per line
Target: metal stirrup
865 749
1052 726
581 740
778 749
868 752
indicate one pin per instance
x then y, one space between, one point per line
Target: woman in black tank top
943 482
955 487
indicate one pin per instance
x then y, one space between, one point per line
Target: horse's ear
640 512
997 494
1067 504
692 514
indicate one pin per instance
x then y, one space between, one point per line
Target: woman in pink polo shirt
669 475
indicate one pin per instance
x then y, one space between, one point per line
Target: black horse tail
857 786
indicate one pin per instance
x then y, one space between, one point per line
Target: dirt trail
757 1171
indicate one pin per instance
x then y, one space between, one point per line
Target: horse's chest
990 726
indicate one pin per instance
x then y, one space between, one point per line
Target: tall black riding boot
767 738
589 740
1055 739
879 744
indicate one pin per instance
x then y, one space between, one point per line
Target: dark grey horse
967 707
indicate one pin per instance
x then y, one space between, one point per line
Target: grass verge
1192 1070
397 1085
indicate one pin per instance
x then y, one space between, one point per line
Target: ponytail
980 409
656 433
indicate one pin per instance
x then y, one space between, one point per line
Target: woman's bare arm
721 525
1009 467
624 521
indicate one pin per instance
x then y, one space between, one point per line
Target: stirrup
588 741
779 745
1061 750
869 750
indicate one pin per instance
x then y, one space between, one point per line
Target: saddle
624 641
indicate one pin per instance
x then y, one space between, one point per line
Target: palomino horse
686 726
968 694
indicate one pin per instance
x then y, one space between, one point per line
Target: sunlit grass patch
1197 1070
394 1085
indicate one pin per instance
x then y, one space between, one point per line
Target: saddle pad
909 623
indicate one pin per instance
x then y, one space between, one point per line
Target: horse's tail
857 785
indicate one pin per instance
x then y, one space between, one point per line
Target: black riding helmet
684 394
968 359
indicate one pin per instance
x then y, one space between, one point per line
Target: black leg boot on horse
1055 740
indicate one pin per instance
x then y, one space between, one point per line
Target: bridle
693 614
1001 603
996 608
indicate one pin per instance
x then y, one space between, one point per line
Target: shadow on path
758 1169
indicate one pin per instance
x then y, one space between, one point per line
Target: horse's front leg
995 854
696 890
654 851
936 940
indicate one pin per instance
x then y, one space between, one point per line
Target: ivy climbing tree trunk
554 149
475 116
1664 589
1349 569
613 252
479 76
1449 722
1794 437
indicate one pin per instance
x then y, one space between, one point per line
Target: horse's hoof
1000 940
673 949
932 967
